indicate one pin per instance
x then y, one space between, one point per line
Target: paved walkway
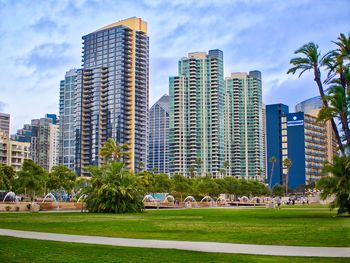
187 245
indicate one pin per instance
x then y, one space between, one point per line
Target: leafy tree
207 186
338 184
232 185
162 183
112 151
31 178
61 177
312 60
182 185
146 181
277 190
113 189
7 177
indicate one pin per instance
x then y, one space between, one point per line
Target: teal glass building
196 111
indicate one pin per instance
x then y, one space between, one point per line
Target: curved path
187 245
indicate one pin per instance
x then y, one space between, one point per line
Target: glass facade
196 110
114 90
158 136
67 120
244 139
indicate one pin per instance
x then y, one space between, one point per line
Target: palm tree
287 163
199 163
272 161
226 165
312 60
338 64
113 189
112 151
338 107
338 184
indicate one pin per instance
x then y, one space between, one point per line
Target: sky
41 40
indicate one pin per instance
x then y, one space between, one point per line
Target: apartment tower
244 139
67 125
113 91
196 111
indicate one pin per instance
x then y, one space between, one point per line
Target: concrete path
187 245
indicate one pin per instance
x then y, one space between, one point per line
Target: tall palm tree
226 165
272 161
112 151
337 62
311 60
338 107
199 162
287 163
338 184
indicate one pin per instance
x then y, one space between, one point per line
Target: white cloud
254 34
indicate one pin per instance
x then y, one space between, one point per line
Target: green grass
304 227
26 250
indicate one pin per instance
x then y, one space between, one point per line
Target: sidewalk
186 245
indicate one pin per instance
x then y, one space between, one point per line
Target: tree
182 185
199 162
112 151
31 178
191 172
338 66
113 189
338 184
61 178
7 177
272 161
311 60
226 165
162 183
287 163
277 190
207 186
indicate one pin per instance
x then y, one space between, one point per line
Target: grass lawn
26 250
304 227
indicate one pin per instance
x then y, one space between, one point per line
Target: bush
17 208
29 206
8 208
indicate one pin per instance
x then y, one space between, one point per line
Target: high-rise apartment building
67 113
244 140
158 136
13 153
5 123
112 93
42 135
196 111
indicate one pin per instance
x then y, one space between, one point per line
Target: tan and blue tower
112 93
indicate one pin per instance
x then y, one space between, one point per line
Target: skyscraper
244 143
67 130
196 110
277 141
5 123
42 135
158 136
300 138
113 90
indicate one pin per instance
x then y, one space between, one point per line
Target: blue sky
41 40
